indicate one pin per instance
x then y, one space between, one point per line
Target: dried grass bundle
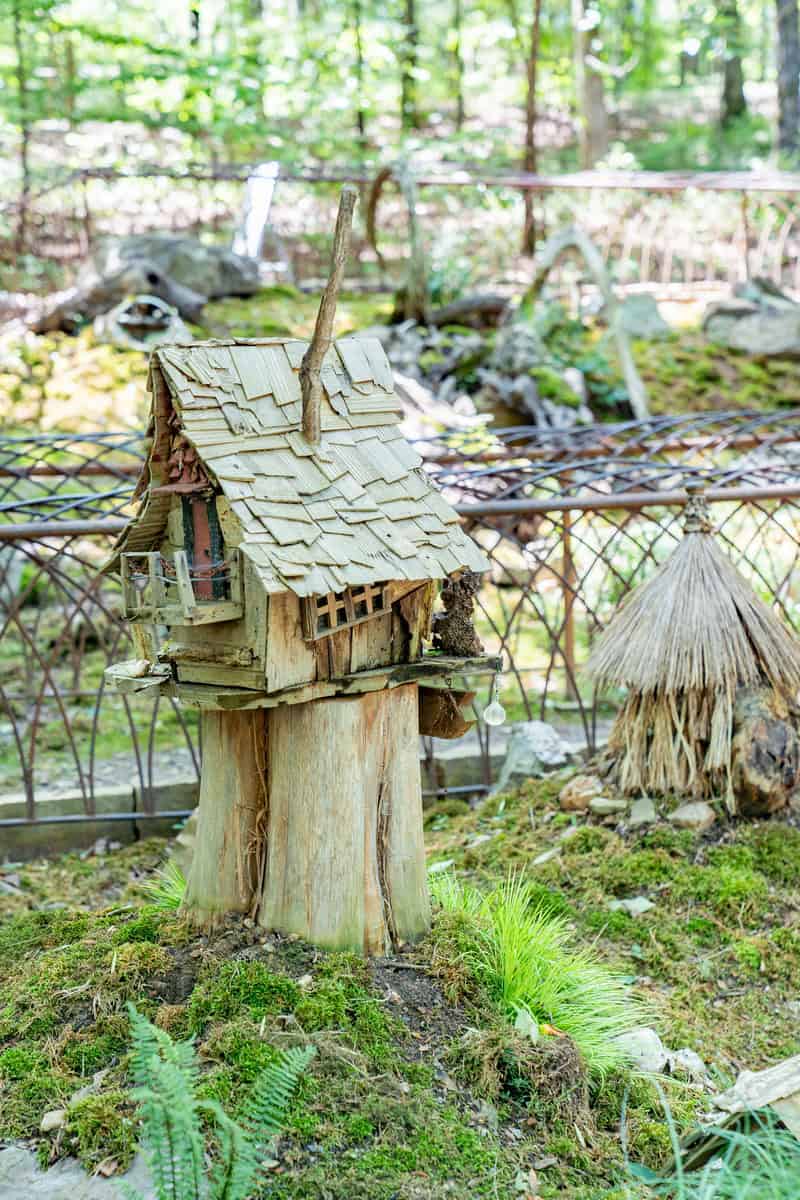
682 644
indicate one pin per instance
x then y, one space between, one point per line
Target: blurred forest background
487 85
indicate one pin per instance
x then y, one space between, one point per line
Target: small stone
689 1063
697 815
643 812
577 793
644 1049
604 806
534 748
305 981
546 856
55 1119
634 906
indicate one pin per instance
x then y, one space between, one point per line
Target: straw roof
696 624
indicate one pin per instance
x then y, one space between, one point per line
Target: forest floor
59 382
420 1088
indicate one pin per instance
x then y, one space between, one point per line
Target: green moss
340 997
36 930
748 955
775 850
678 842
731 891
101 1128
551 386
588 840
29 1087
85 1053
231 988
632 870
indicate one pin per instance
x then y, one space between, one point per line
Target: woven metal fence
655 228
571 522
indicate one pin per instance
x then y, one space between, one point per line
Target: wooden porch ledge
434 670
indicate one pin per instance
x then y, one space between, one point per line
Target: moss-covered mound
421 1086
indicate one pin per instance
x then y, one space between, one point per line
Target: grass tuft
522 957
166 887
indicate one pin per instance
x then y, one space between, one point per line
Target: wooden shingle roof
355 509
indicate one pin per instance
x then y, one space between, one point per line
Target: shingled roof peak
238 403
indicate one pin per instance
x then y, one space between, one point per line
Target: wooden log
232 796
345 865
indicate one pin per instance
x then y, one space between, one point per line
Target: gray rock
643 812
604 806
643 1049
54 1119
640 317
534 747
575 379
21 1178
141 323
546 856
634 906
689 1063
759 319
212 271
765 754
696 815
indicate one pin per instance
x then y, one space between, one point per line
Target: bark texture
788 61
345 865
232 789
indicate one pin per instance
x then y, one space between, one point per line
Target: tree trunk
788 55
458 64
409 111
361 119
530 159
224 869
345 863
311 816
21 72
593 129
734 103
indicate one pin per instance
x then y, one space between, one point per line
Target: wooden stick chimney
311 365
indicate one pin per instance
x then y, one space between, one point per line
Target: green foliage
101 1127
166 887
523 957
760 1161
235 986
166 1074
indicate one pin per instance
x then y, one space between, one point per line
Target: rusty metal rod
39 530
93 468
597 502
632 501
608 447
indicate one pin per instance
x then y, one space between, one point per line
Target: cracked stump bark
339 858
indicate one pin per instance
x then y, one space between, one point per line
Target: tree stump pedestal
310 818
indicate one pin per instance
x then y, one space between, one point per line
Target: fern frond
268 1103
166 1076
235 1174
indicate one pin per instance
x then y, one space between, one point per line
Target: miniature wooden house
286 588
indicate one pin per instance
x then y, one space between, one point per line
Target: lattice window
324 615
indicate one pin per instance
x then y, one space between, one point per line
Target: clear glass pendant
494 713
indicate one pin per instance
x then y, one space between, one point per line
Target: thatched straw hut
682 644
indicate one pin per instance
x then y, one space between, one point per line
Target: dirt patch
419 1003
